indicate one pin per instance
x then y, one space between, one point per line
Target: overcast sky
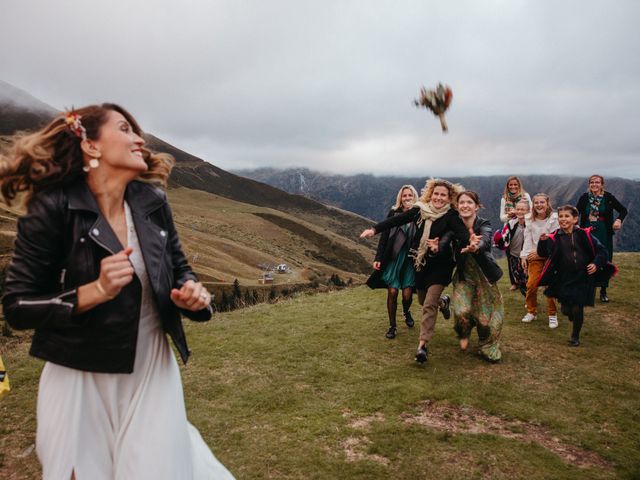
540 86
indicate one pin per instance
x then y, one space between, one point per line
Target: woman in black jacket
596 209
477 301
98 272
393 268
434 217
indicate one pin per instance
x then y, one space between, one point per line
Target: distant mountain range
372 196
238 223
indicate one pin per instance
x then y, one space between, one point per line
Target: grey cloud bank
539 86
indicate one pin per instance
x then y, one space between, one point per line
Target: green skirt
399 272
477 303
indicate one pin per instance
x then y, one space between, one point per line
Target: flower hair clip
72 119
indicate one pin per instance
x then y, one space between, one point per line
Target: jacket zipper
63 273
52 301
102 245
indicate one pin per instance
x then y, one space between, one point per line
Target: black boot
422 354
406 305
391 333
577 313
603 295
445 306
408 319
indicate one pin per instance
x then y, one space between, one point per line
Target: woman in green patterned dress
476 300
596 209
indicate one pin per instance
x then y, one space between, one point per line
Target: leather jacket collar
146 201
141 199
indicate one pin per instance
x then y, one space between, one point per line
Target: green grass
310 388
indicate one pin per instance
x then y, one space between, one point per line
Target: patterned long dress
477 303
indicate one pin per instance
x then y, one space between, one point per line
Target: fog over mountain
538 86
13 96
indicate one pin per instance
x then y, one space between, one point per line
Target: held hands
591 268
192 296
376 265
369 232
115 272
544 236
474 243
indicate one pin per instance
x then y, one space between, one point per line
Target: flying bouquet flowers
437 101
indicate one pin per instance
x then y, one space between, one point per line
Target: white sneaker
553 321
528 318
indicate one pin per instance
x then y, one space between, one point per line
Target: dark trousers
576 317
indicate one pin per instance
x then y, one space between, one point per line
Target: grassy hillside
225 239
310 389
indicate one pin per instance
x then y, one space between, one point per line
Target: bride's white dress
105 426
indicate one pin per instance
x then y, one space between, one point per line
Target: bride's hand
191 296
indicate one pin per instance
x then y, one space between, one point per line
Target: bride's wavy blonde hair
52 156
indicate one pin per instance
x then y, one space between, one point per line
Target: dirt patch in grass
355 450
362 423
464 419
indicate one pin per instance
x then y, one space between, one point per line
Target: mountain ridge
372 196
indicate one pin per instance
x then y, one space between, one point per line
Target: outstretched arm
397 220
382 243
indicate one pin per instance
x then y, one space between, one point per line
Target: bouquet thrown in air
437 101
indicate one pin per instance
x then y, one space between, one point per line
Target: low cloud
539 87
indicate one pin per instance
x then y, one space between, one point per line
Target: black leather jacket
59 246
483 256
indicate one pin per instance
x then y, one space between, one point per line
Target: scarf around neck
428 215
512 200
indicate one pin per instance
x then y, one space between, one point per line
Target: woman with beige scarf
434 215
